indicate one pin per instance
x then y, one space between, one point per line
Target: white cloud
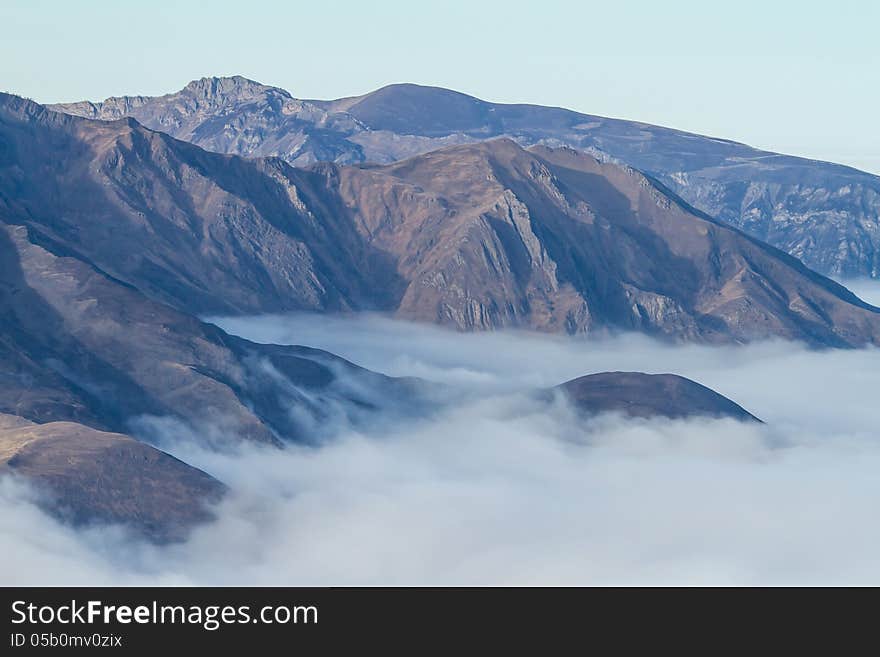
502 489
865 288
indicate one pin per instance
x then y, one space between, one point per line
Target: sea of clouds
501 488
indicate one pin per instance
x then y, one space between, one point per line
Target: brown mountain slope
201 231
78 345
88 476
491 235
648 395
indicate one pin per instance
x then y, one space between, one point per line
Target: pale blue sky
797 77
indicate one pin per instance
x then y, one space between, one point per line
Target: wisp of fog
502 488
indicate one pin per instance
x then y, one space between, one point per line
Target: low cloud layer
499 488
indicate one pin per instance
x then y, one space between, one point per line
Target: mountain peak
414 89
236 85
409 108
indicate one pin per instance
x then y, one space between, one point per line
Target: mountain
209 233
93 477
479 236
86 357
649 395
490 235
114 238
78 345
825 214
79 342
237 116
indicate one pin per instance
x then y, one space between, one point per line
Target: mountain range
116 238
476 236
825 214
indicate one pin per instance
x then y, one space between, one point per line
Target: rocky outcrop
208 233
238 116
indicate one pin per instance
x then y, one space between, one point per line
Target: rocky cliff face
825 214
830 223
238 116
491 235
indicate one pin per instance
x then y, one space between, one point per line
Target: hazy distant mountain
477 236
649 395
236 115
826 214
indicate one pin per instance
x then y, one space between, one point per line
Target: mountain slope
93 477
649 395
201 231
101 354
825 214
491 235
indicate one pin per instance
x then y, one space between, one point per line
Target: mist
498 487
867 289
